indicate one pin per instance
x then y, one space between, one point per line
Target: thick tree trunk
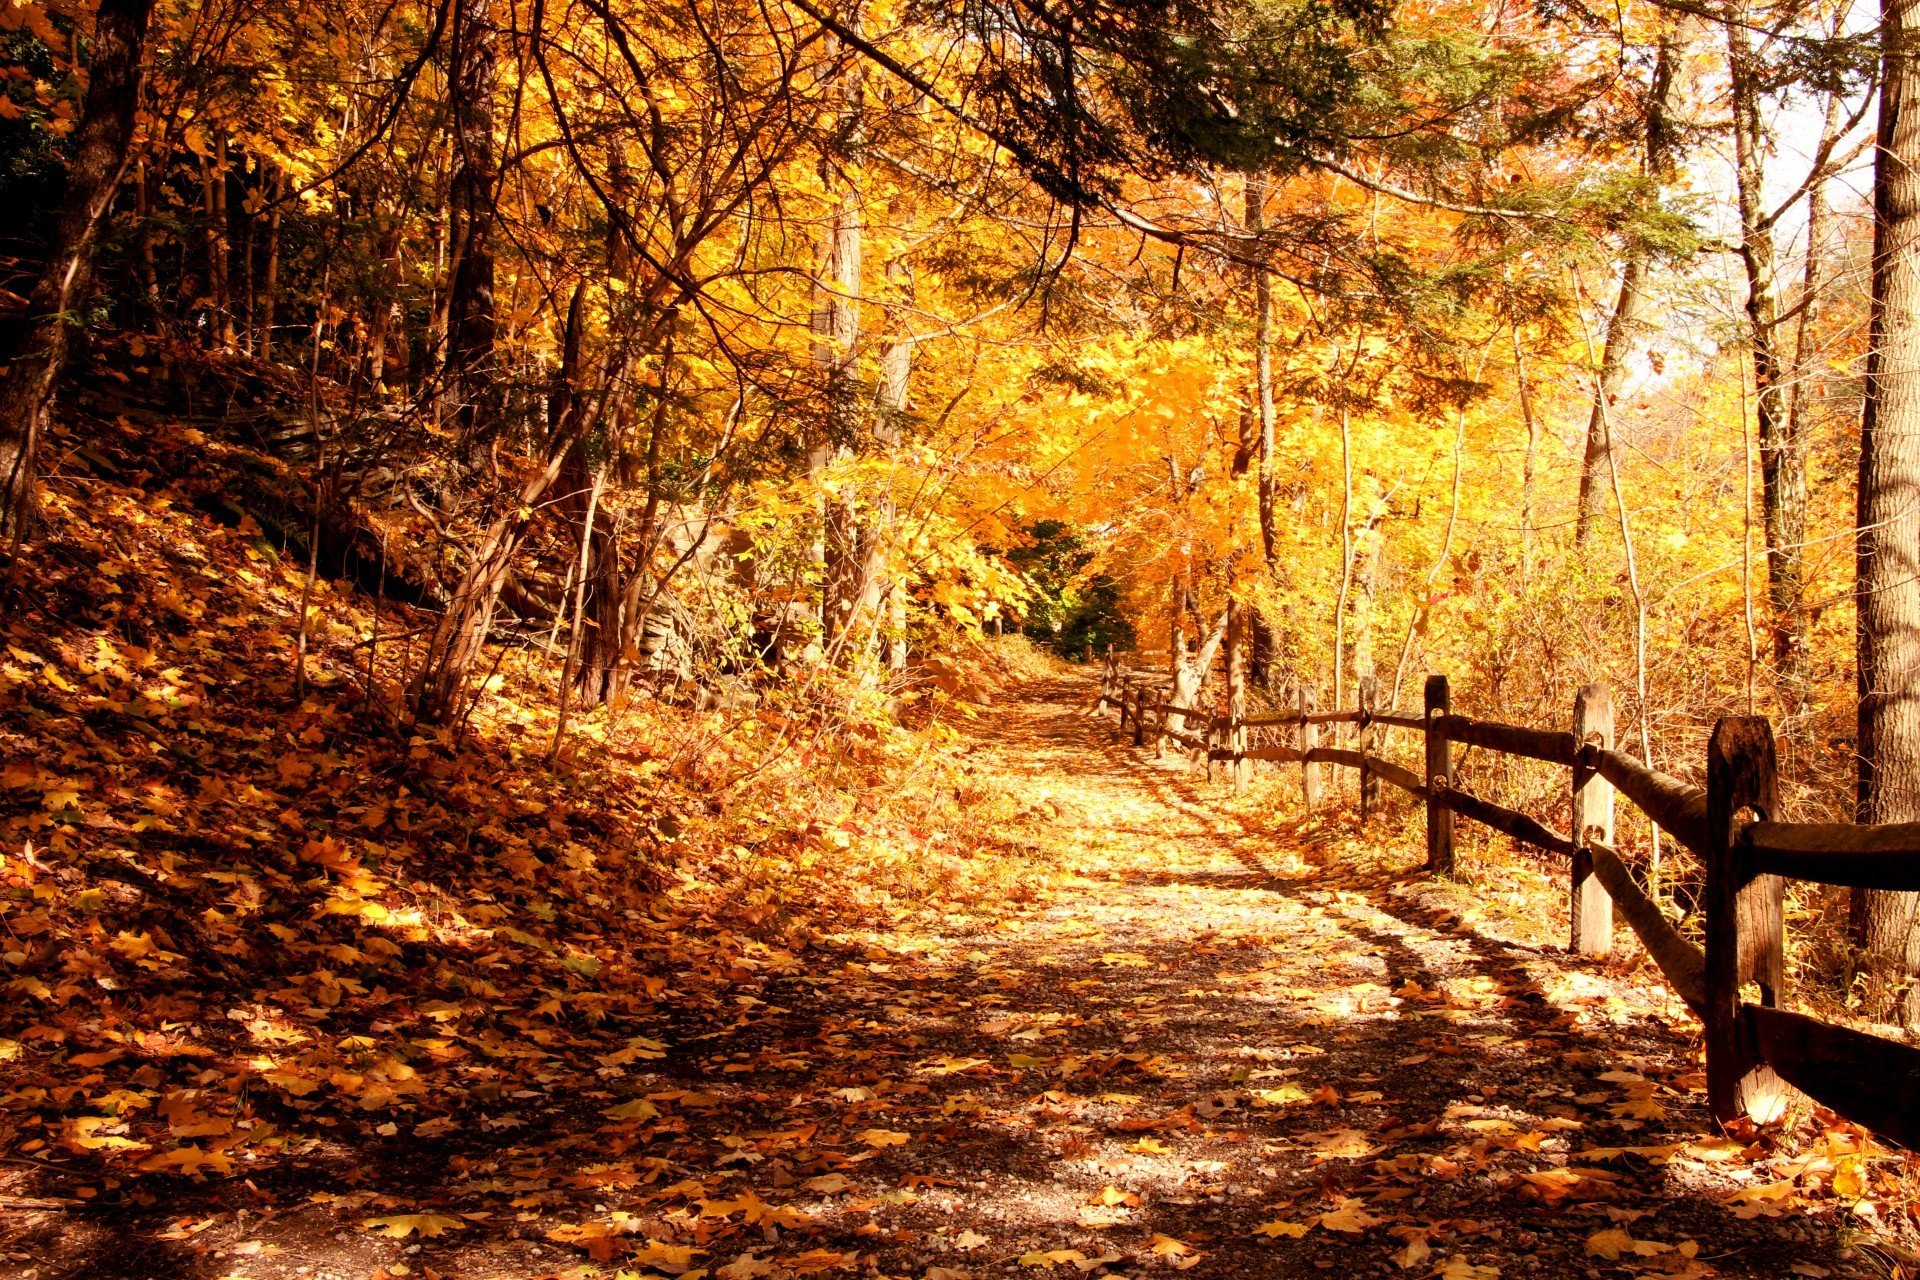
440 687
471 324
100 158
1888 563
595 651
1629 318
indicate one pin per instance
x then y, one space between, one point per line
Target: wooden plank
1343 756
1439 780
1744 931
1684 964
1239 628
1680 810
1400 720
1863 857
1589 909
1405 779
1513 823
1280 717
1512 739
1868 1079
1364 739
1286 754
1309 739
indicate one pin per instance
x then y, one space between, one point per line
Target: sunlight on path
1228 1061
1184 1048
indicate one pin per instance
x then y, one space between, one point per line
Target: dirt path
1191 1051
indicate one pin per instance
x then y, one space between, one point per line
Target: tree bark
1783 448
270 280
886 588
1528 460
100 159
837 326
218 246
1629 318
471 323
1263 361
1888 548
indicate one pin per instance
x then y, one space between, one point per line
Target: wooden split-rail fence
1753 1048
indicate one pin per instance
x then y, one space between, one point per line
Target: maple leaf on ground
1051 1258
1349 1215
188 1160
1769 1200
671 1258
1614 1242
1341 1144
1280 1228
1458 1268
400 1226
884 1137
815 1261
1416 1252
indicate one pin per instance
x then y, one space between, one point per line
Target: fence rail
1754 1051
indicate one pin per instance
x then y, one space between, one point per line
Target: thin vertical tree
1629 319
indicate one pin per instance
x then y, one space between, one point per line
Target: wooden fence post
1309 739
1236 735
1369 784
1439 779
1744 925
1591 906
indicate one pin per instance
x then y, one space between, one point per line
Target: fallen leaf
400 1226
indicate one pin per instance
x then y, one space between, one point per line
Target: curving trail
1236 1039
1188 1048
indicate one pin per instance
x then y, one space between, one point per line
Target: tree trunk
218 250
1263 361
461 633
595 650
1528 460
886 588
471 322
1629 311
1783 450
1888 555
100 158
837 326
146 265
270 280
